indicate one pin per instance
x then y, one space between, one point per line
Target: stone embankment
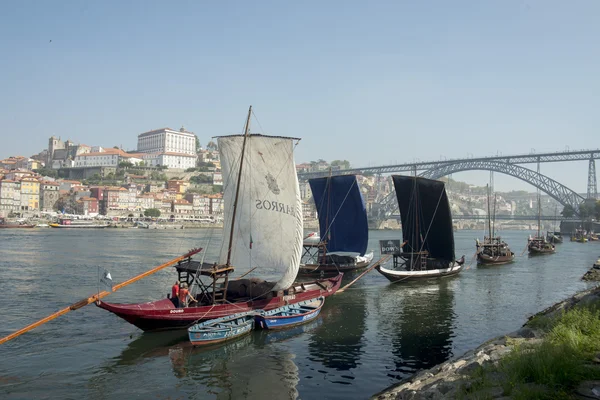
455 378
594 273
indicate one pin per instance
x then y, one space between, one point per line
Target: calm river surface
366 339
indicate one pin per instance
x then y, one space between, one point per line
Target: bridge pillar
592 191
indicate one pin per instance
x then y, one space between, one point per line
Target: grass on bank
550 369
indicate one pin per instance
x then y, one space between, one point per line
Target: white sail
268 224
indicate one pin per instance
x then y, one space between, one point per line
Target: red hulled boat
164 315
263 230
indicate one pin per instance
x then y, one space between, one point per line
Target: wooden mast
489 215
494 221
237 189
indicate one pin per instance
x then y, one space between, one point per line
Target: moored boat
18 225
428 247
538 244
343 227
68 223
493 250
221 329
290 315
263 233
554 237
579 236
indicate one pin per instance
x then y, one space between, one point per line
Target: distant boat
579 236
221 329
538 244
290 315
18 225
493 250
428 247
343 226
554 237
68 223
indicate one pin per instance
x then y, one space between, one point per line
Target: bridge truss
554 189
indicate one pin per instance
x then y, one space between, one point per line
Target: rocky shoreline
454 378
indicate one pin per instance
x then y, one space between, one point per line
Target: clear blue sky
371 82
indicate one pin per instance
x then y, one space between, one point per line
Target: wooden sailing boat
343 225
538 244
554 236
428 248
493 250
263 232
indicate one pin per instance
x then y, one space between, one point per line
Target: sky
370 82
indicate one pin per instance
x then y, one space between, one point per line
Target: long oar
96 297
382 260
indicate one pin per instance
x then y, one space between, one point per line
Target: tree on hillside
198 146
152 212
125 164
47 172
587 209
199 179
568 211
212 146
343 164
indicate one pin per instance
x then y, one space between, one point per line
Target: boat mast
539 214
494 222
489 215
237 189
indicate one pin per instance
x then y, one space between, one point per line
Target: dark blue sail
342 214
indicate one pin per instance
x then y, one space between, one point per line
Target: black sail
426 217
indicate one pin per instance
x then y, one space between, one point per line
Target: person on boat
184 295
175 294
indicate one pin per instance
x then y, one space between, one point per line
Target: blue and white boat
290 315
222 329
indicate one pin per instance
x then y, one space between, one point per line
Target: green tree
125 164
568 211
343 164
47 172
199 179
152 212
212 146
190 169
198 147
217 188
587 209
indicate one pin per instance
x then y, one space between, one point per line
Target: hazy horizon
372 83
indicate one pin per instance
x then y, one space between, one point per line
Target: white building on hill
168 147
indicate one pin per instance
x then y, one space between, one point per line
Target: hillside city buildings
168 173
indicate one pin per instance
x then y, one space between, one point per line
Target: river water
366 339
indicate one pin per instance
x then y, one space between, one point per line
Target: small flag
106 280
251 241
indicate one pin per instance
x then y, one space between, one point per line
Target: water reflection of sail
338 342
420 323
